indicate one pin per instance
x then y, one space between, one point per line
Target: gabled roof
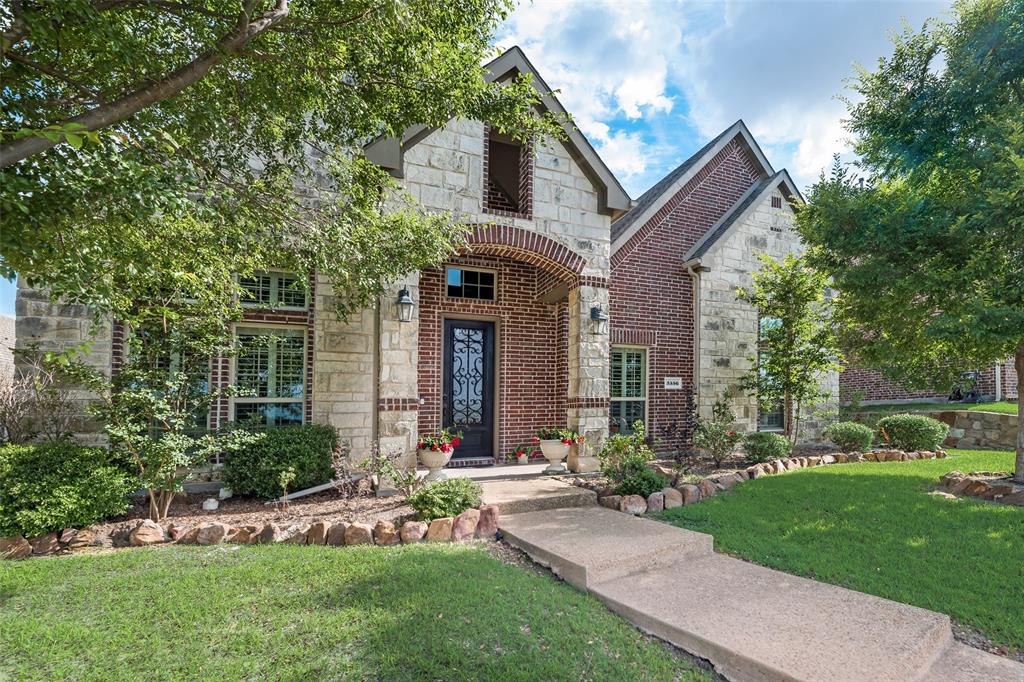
653 199
387 152
750 199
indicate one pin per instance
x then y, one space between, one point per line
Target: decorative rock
707 489
488 525
224 493
465 525
176 530
818 461
690 493
148 532
336 534
15 547
86 537
795 463
610 501
841 458
855 457
385 533
119 536
440 530
296 534
239 536
211 533
317 533
413 531
656 502
778 467
939 493
359 534
45 544
210 504
269 534
67 535
672 497
633 504
755 471
189 536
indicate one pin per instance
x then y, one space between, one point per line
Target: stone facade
728 330
7 345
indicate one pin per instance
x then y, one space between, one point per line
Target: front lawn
1003 407
872 527
285 612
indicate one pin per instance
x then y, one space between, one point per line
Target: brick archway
527 246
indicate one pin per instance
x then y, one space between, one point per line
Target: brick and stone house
572 305
997 381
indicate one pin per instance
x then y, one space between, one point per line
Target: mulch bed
364 506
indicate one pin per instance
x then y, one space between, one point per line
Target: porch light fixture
599 319
405 305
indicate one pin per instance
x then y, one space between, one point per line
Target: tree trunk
1018 363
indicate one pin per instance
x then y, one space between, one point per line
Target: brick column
398 396
588 389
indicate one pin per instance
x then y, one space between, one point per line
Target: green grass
285 613
872 528
1003 407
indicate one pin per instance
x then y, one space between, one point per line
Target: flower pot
523 459
434 460
555 451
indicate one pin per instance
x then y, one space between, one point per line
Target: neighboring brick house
995 382
513 334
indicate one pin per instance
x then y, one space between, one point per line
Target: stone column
588 389
398 395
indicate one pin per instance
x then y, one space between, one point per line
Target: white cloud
650 81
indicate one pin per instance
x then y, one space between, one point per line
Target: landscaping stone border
994 486
472 523
691 493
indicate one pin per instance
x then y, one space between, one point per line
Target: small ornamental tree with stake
929 253
154 407
797 342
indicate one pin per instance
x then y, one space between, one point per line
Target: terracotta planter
555 451
434 461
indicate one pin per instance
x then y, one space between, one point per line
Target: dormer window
508 176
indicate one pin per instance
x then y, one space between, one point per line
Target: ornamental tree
797 341
165 146
929 252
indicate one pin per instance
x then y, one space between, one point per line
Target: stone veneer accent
728 327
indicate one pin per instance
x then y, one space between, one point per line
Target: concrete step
751 622
563 540
518 496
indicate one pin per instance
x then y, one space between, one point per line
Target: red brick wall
652 294
876 387
531 348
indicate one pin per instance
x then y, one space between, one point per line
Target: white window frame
270 329
645 381
472 269
274 287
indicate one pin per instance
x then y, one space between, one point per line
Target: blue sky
650 81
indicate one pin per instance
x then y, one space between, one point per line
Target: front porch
503 342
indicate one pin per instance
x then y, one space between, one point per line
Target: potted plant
522 453
435 450
555 444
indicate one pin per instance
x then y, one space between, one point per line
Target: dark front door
468 400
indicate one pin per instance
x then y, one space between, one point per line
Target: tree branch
178 80
17 31
83 89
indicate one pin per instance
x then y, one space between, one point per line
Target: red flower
536 439
419 446
566 441
433 447
520 453
455 441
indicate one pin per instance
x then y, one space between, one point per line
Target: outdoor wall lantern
405 305
599 319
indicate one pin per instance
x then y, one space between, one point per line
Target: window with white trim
773 419
273 290
270 374
628 388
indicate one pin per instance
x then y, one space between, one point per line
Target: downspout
694 268
375 407
999 381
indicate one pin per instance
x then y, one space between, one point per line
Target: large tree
929 251
149 149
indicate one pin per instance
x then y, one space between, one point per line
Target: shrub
717 435
447 497
912 431
762 446
850 436
58 485
624 462
255 469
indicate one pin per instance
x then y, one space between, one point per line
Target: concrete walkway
751 622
